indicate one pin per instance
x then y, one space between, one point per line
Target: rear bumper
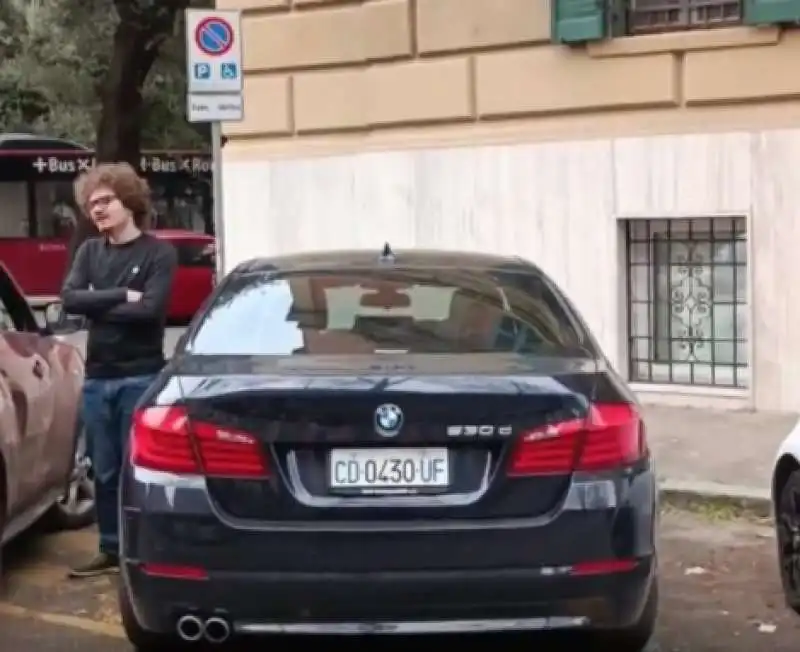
354 579
395 603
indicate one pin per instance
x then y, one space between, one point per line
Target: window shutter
770 12
578 21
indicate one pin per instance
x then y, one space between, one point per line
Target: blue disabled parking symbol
228 70
202 71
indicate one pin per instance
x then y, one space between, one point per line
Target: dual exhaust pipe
193 629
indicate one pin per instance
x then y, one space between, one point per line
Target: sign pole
214 72
216 177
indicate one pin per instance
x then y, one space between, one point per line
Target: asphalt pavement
36 636
720 593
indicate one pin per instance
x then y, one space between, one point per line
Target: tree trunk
120 125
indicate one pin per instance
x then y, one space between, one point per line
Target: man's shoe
102 564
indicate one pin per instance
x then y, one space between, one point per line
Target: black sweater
125 338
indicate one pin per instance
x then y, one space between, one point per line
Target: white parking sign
214 51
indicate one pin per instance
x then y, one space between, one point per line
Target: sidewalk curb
682 494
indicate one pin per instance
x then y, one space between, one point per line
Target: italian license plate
389 468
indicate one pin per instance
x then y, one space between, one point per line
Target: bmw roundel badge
388 420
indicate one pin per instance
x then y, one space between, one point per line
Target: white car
786 505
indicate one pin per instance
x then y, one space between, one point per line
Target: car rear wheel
141 639
787 524
76 508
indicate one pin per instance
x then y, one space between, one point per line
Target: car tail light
173 572
166 439
604 567
611 436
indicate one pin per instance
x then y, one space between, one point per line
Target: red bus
38 212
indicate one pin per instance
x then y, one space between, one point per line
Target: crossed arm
120 305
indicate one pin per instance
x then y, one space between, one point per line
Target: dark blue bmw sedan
411 442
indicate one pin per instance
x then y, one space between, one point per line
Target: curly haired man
120 281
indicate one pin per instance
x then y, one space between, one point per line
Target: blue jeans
107 411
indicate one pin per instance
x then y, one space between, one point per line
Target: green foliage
12 25
54 60
21 102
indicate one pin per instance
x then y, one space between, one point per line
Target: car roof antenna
387 255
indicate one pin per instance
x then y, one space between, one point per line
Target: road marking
73 622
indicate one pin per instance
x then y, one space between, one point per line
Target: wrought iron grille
669 15
687 301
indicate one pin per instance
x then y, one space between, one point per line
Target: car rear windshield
437 311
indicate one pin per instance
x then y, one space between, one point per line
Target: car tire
636 637
787 526
141 639
75 510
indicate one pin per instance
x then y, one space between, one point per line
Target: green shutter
578 21
770 12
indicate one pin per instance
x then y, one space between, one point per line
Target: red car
194 279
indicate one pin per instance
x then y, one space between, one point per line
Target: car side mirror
58 322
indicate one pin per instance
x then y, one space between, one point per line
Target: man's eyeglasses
101 202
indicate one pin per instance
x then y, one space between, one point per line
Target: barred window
667 15
687 301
